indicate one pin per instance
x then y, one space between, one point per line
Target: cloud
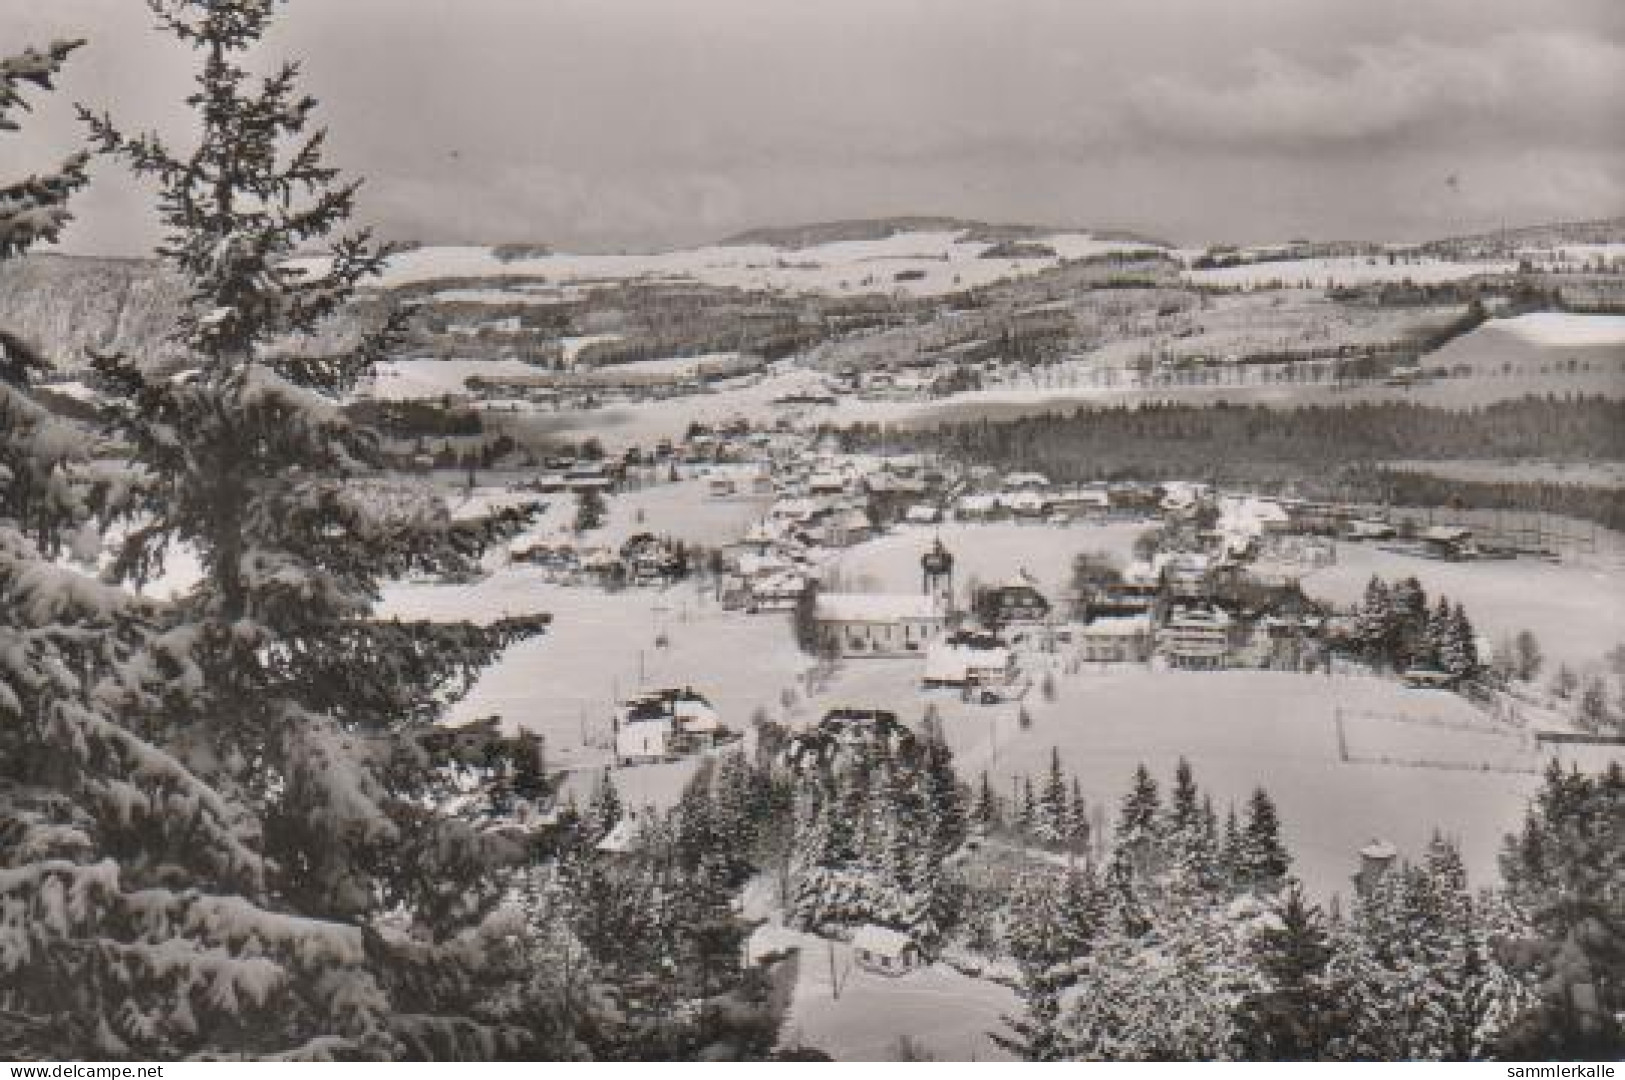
1532 89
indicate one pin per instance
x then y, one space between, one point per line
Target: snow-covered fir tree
1564 870
1050 825
1138 834
247 855
1264 860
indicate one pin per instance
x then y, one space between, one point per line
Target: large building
889 624
1114 639
1196 639
878 624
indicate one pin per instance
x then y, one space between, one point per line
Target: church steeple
937 565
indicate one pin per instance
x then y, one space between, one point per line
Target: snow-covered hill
917 263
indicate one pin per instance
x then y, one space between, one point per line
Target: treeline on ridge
1223 440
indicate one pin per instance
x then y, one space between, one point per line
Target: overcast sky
608 124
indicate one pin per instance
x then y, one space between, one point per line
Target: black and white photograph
853 531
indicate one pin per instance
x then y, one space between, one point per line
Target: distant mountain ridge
811 234
65 306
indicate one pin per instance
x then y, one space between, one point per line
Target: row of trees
1154 960
1169 440
1398 628
876 812
1052 814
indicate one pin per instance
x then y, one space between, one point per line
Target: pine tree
1050 823
1264 859
1138 834
1039 942
1408 603
306 699
1375 620
590 510
1077 831
1562 871
985 810
1462 658
1231 854
1591 712
1437 643
138 919
604 809
1297 1017
1184 808
943 802
123 876
1026 808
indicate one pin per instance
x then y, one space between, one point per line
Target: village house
765 582
652 560
1448 542
969 661
1183 574
1136 594
980 507
665 724
1196 639
1026 481
885 951
1013 602
1082 503
1115 639
1369 530
1026 505
849 527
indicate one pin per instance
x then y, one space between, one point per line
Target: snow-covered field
618 426
602 647
680 510
414 380
1350 270
1239 730
1559 329
945 261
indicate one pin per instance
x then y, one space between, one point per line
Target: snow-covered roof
881 941
751 565
1084 497
1117 626
1379 849
876 607
1024 500
1184 619
621 839
951 663
1249 516
1140 572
